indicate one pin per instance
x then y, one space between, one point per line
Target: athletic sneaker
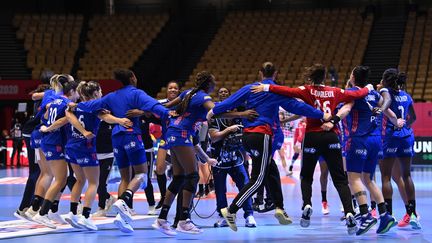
123 210
133 212
151 210
415 222
386 223
351 224
290 171
250 222
99 213
325 208
56 217
257 205
123 226
73 220
366 222
30 213
230 218
268 206
20 214
188 227
164 226
221 223
87 223
282 217
44 220
110 212
109 202
405 221
374 213
160 203
305 218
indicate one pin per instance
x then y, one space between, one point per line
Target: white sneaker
123 209
73 220
56 217
109 202
305 218
110 212
87 223
123 226
351 224
100 213
30 213
151 210
44 220
20 214
325 208
188 227
164 226
250 222
230 218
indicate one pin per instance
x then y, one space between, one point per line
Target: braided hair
202 82
86 90
391 78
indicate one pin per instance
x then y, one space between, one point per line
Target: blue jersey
55 111
361 121
122 100
75 139
195 112
401 102
266 104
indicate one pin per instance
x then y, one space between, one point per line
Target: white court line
22 228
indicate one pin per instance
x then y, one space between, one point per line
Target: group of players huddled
352 130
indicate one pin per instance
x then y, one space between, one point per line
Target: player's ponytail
202 82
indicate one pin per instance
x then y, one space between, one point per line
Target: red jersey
299 132
322 97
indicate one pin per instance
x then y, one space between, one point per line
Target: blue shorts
53 152
177 137
278 141
362 154
396 147
81 158
36 139
128 150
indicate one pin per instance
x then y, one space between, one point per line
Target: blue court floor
322 229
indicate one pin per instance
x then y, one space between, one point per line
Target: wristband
335 119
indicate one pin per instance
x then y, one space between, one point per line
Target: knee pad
191 182
176 184
142 179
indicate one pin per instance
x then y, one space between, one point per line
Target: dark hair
40 88
402 77
86 89
268 69
361 75
202 81
46 76
124 76
229 91
173 82
69 86
394 79
315 73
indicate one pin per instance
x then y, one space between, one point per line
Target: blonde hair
87 89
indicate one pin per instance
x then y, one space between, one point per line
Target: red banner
20 89
423 125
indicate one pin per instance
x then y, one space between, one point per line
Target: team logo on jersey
171 139
361 152
391 150
309 150
255 152
334 146
49 154
132 144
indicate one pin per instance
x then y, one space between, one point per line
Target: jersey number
325 106
402 110
52 115
81 120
